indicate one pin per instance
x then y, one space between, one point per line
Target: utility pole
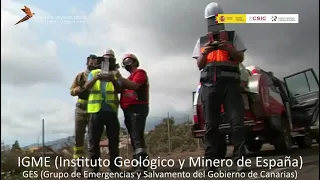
38 141
169 136
43 139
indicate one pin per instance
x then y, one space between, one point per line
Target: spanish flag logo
231 18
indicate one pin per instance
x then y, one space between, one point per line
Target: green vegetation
16 146
181 139
9 162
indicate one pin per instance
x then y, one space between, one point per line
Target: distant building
34 148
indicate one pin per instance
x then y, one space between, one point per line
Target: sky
41 57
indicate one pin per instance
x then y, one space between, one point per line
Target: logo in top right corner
274 18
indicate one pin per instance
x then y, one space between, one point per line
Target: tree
16 146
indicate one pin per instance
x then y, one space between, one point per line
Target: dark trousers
81 120
95 128
212 97
135 117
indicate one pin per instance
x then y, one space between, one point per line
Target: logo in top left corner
28 13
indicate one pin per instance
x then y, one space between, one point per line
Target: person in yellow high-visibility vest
103 105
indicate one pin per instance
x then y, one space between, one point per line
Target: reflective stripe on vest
217 56
82 101
223 74
220 58
78 152
95 97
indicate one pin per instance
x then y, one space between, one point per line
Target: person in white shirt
220 79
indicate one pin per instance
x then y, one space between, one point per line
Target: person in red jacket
134 102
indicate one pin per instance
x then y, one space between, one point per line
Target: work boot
143 156
78 169
141 168
132 168
138 170
92 175
114 167
93 172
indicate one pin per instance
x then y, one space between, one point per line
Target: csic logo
258 18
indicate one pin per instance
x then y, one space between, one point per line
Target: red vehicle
279 112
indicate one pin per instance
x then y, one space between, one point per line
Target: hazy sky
39 59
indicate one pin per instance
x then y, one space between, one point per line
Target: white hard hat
212 10
109 52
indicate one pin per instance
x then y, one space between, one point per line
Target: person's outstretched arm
138 79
